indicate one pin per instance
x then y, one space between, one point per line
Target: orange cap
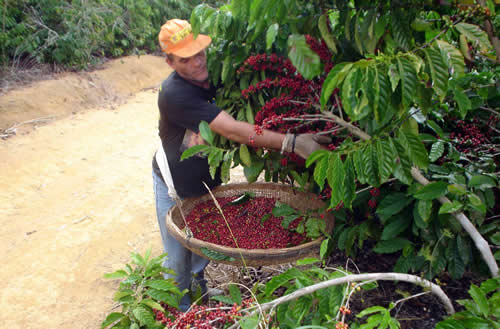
176 38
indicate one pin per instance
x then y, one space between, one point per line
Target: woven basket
252 257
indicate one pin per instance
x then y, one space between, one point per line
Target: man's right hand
305 144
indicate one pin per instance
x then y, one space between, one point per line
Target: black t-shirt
182 107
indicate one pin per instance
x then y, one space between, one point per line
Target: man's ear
169 62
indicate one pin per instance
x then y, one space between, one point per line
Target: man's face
191 68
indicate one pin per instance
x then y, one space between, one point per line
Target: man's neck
203 84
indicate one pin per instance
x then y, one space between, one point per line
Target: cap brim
193 46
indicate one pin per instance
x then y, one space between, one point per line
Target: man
185 99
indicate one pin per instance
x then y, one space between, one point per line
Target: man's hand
305 144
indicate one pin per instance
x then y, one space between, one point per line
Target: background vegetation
75 34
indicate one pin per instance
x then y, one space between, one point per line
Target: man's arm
241 132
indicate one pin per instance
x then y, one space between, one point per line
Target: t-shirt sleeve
188 110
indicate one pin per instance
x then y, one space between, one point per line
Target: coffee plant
143 291
409 93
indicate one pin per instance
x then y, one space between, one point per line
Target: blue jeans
182 261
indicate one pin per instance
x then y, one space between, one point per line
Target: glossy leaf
235 293
395 227
437 151
271 34
333 80
390 246
392 204
424 208
415 147
302 57
144 315
386 158
438 70
245 155
215 255
349 182
475 34
453 57
450 207
432 191
335 176
408 77
481 182
355 102
320 171
480 299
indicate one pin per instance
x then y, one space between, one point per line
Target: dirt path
76 197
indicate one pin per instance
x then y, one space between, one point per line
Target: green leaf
439 71
463 101
226 68
354 99
455 263
116 275
226 166
424 208
245 155
223 299
287 219
315 156
417 152
282 209
249 114
475 34
307 261
394 76
333 80
144 315
384 96
482 182
480 299
357 157
253 172
164 285
370 165
450 324
402 170
408 81
386 158
395 227
214 255
336 175
450 207
391 246
251 322
169 297
349 182
453 57
392 204
206 133
400 29
431 191
323 249
476 203
151 303
325 33
302 57
280 280
111 318
271 34
320 171
235 293
437 151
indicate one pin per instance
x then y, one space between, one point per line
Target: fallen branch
435 289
